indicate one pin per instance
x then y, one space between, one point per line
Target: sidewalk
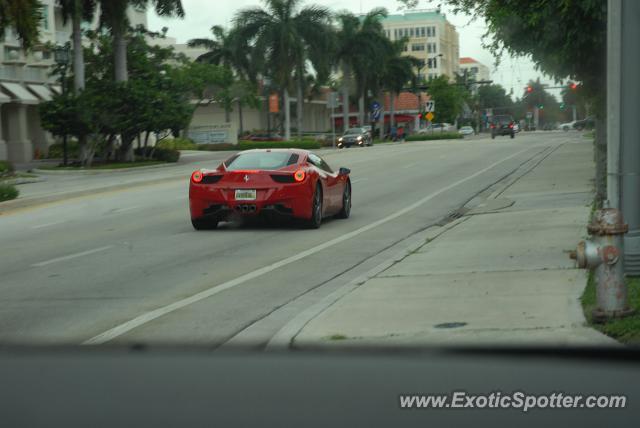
500 275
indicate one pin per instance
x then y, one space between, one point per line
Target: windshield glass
450 157
258 160
353 131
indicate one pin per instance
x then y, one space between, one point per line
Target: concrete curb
101 171
284 338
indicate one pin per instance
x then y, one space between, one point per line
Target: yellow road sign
430 117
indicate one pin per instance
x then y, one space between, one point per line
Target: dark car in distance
502 124
355 137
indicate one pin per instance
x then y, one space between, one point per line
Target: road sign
273 103
376 110
430 117
430 106
529 115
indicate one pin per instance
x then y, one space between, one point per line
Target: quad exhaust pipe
246 208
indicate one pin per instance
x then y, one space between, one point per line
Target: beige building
432 39
475 69
24 83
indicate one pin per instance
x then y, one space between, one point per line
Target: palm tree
113 15
24 16
398 72
77 11
360 45
230 50
287 35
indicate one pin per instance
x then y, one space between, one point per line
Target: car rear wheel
316 209
493 136
203 223
346 202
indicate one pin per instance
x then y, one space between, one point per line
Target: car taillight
196 177
299 175
492 126
511 125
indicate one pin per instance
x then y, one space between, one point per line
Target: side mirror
344 171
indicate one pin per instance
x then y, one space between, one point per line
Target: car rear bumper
293 200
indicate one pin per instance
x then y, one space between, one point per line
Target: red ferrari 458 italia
271 182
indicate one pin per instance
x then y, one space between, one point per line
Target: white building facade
25 83
432 39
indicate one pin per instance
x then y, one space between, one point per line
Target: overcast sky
201 15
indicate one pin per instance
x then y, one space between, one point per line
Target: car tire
345 212
493 136
513 135
204 224
316 209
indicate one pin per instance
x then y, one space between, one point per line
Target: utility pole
623 127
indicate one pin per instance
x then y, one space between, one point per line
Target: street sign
529 115
273 103
430 117
430 106
376 110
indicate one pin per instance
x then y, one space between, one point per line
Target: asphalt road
126 267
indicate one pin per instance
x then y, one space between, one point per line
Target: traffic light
562 106
540 106
529 89
573 86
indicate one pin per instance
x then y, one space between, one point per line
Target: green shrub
8 192
437 135
56 151
6 168
217 147
158 153
177 144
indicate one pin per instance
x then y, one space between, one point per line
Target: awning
19 93
57 89
4 98
41 91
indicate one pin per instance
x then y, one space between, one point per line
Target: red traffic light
573 86
529 89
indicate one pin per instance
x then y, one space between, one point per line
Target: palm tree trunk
240 124
361 109
287 116
78 53
345 96
300 101
392 110
120 53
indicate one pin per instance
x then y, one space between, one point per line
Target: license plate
245 195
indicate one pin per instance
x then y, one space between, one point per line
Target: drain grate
453 215
450 325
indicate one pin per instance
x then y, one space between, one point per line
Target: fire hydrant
603 255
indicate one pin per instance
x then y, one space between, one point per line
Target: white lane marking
147 317
40 226
71 256
358 180
123 210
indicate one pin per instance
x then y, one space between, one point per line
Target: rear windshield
259 160
503 119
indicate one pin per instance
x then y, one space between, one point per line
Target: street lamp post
61 57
